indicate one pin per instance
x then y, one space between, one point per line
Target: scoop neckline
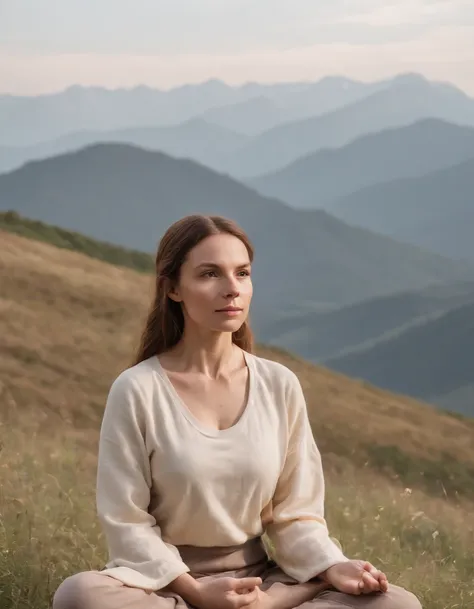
186 412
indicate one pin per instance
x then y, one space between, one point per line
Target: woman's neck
209 353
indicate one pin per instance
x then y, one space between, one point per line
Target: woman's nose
232 288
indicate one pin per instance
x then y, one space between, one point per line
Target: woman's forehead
220 250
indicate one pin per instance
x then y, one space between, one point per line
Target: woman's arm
138 555
298 532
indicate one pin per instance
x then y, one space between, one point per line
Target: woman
204 448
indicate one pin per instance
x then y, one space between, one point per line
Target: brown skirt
94 590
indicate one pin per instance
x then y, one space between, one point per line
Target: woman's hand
356 577
285 596
226 592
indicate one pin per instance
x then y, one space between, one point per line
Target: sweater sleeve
138 556
297 531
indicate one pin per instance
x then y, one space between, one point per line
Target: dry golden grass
69 324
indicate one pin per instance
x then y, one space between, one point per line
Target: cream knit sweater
165 480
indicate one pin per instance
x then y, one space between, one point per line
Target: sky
48 45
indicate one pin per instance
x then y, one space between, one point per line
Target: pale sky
47 45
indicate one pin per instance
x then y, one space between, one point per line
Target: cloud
171 27
48 45
410 12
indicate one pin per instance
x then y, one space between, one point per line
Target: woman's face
215 287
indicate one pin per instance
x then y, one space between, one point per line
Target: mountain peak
410 78
338 81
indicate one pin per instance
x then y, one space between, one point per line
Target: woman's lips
231 311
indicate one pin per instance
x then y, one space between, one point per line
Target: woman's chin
229 325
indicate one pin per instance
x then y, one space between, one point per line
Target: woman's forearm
283 596
187 587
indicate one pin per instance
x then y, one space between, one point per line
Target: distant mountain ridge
417 342
403 103
194 139
26 121
432 361
318 336
434 211
315 181
279 124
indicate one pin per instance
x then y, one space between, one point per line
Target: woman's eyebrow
213 265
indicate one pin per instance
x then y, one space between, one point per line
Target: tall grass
49 530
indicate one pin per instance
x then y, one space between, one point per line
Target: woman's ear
166 286
173 294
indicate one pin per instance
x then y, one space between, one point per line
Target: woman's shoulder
274 374
132 394
138 378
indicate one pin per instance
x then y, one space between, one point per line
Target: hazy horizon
210 80
47 47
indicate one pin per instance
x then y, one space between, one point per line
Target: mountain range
356 110
31 120
320 335
420 343
305 259
410 342
194 139
435 211
357 196
414 150
432 361
404 102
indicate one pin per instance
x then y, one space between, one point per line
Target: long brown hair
165 322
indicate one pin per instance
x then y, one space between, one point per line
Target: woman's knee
397 598
78 591
394 598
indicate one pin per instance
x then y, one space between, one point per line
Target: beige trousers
93 590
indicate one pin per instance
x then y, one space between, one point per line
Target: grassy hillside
59 237
400 475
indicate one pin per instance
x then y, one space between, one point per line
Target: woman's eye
243 273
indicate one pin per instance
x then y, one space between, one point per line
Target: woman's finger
383 583
246 583
370 584
369 567
377 573
241 600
